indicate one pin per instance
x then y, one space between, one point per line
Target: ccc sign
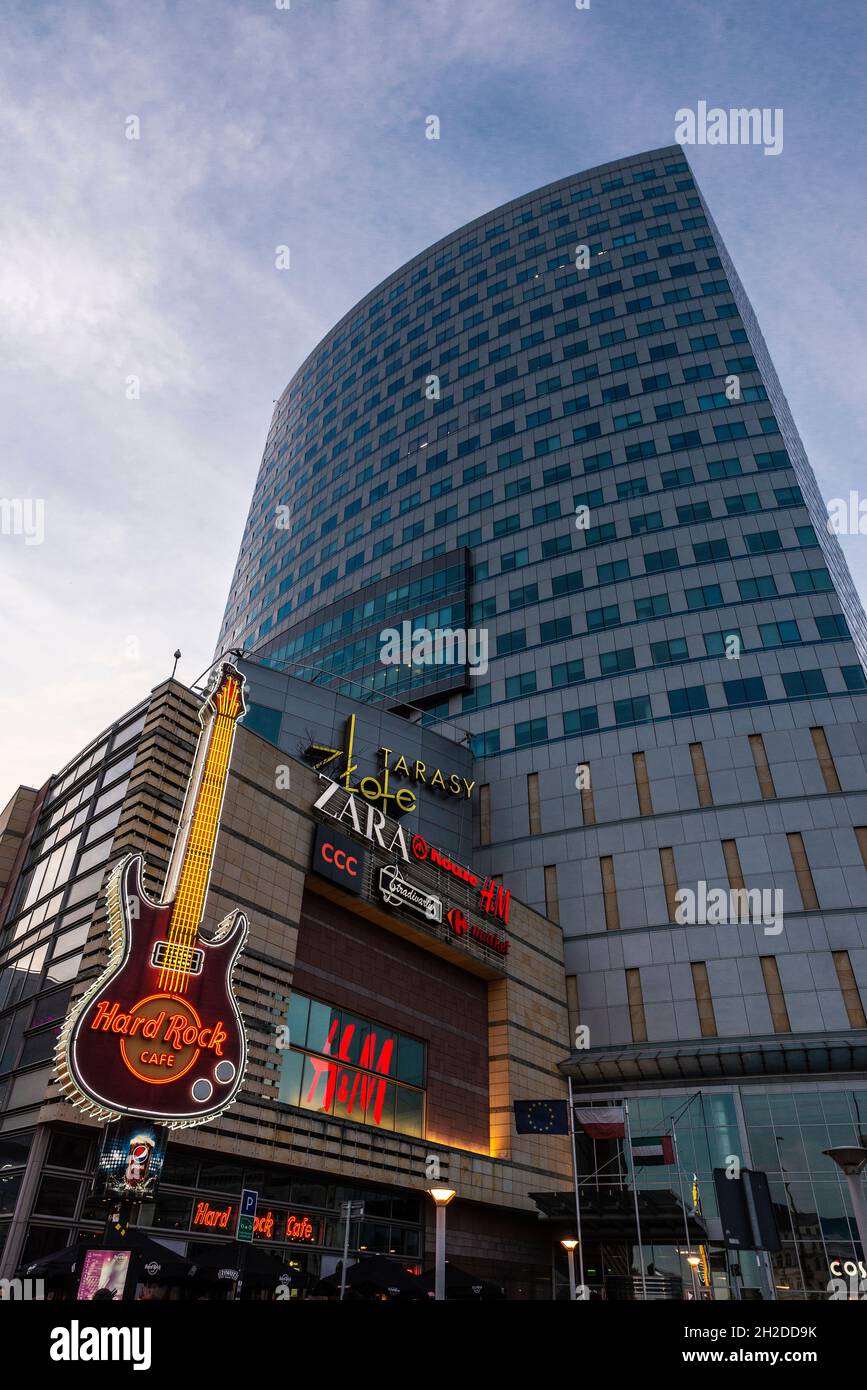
339 859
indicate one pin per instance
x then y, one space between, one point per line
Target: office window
634 711
803 683
642 784
552 897
636 1006
763 542
555 630
701 775
609 893
826 761
531 731
613 663
717 643
703 1000
485 745
742 503
706 551
654 606
746 692
509 642
581 721
669 881
854 677
849 989
570 583
779 634
733 864
567 672
520 598
763 767
689 700
802 870
832 626
533 803
514 560
774 991
762 586
705 596
524 684
598 618
485 814
664 653
611 573
812 581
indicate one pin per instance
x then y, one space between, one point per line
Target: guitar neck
193 852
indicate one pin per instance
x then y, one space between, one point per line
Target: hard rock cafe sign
383 789
159 1034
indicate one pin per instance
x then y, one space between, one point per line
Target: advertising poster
131 1159
103 1276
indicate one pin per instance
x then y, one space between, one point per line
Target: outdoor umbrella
461 1285
154 1260
231 1260
65 1261
379 1275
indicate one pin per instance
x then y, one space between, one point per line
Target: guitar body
159 1035
137 1045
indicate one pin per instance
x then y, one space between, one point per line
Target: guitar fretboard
199 852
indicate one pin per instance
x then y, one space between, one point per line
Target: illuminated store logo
338 859
378 789
347 1085
220 1219
397 892
300 1228
493 899
212 1217
159 1035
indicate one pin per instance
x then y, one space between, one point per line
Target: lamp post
852 1158
441 1197
570 1245
693 1261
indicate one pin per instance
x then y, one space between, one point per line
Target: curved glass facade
560 427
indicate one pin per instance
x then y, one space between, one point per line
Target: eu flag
541 1117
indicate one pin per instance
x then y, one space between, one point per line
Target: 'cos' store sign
339 859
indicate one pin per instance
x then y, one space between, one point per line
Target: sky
146 331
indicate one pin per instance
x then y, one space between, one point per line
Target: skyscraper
560 427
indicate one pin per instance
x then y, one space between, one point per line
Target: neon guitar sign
160 1034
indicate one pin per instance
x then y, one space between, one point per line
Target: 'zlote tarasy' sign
394 765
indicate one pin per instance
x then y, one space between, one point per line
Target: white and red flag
602 1122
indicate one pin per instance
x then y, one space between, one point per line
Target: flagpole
576 1184
680 1189
635 1195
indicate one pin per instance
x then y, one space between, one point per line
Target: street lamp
441 1197
852 1158
693 1261
570 1246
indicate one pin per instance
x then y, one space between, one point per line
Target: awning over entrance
608 1215
720 1060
